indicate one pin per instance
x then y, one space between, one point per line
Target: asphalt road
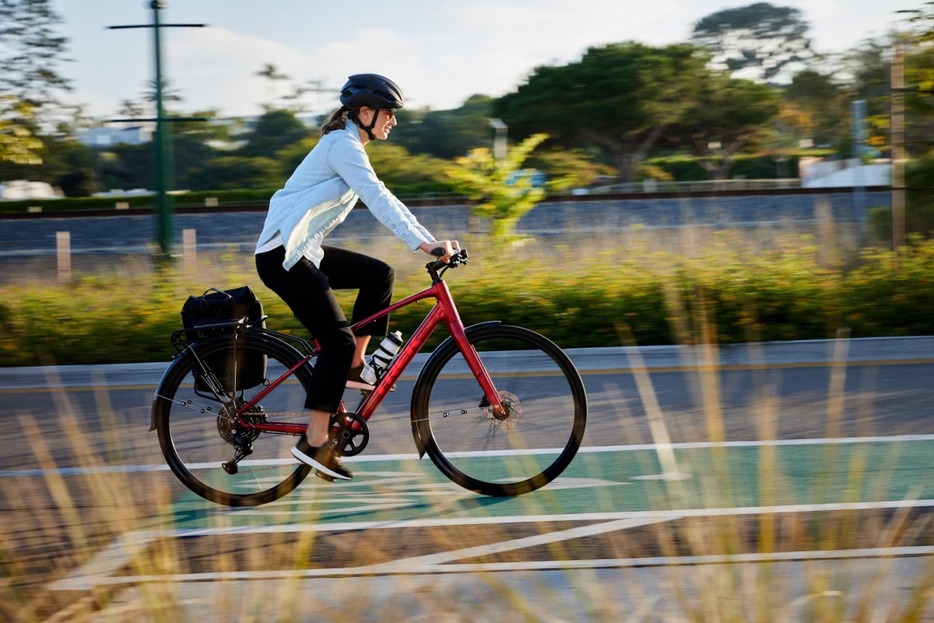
774 459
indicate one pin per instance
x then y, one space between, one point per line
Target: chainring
349 433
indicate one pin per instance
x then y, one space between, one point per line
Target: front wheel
546 412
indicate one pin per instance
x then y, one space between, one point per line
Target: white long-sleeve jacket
321 193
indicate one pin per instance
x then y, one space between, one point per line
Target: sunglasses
390 112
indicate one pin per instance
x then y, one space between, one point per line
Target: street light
161 144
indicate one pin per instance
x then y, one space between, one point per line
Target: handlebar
437 268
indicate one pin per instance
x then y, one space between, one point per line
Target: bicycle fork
491 398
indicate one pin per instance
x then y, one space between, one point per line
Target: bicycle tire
197 436
533 444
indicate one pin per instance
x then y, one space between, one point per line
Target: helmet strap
368 128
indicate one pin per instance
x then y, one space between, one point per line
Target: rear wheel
214 454
546 412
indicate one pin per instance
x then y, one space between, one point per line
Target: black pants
308 291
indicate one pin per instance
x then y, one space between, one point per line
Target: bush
728 294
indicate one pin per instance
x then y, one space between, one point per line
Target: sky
439 51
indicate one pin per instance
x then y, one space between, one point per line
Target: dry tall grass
66 501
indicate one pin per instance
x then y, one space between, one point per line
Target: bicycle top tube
436 270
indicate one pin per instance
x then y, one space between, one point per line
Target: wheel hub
231 431
511 409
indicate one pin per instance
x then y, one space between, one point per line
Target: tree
567 168
17 142
923 20
505 191
30 83
275 130
760 42
816 108
170 95
295 100
447 134
870 68
130 109
60 155
272 75
79 183
236 172
405 173
620 98
727 115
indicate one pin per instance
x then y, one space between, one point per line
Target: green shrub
728 294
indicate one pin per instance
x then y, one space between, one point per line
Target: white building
22 189
818 173
109 136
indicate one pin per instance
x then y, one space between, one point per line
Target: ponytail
336 121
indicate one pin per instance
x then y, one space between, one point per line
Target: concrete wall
136 233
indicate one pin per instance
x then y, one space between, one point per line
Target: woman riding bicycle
292 261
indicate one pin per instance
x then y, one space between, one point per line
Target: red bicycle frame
444 311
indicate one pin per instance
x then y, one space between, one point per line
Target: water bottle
381 358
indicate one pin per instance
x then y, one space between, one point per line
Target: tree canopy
726 116
625 98
30 82
760 42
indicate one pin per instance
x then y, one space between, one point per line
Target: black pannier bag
234 369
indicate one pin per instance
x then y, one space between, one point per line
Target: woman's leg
359 354
307 292
373 278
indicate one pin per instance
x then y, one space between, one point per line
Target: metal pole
162 144
859 183
898 147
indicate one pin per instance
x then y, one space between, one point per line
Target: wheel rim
545 414
219 460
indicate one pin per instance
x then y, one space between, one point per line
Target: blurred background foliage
618 108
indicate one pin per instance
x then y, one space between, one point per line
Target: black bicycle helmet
371 90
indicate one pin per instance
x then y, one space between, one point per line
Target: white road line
767 443
158 467
102 569
432 561
89 582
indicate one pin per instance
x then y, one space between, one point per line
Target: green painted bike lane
603 482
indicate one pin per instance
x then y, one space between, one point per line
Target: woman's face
385 121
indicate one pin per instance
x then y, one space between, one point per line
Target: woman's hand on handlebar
440 249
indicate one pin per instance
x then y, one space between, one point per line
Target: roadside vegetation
639 287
